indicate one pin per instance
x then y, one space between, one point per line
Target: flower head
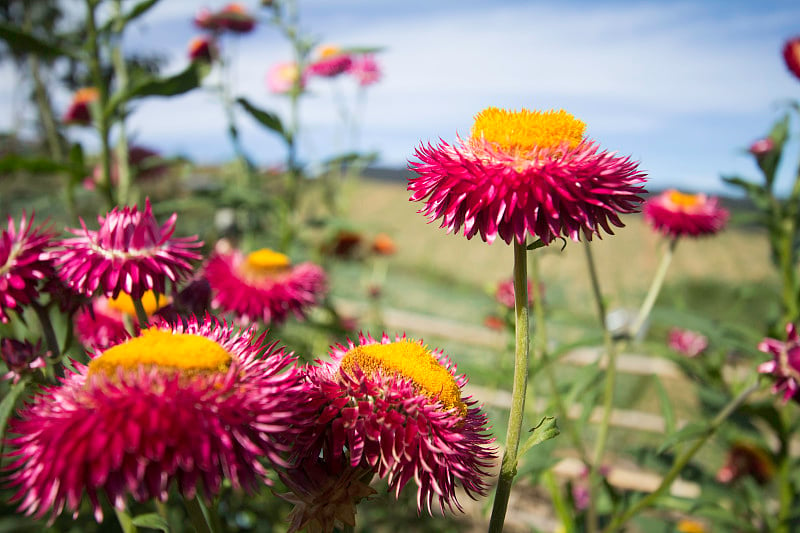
505 293
24 262
396 407
687 342
130 253
203 49
21 357
285 77
791 54
263 285
331 61
382 244
184 406
677 214
762 147
525 171
235 18
746 459
785 366
102 323
365 69
79 111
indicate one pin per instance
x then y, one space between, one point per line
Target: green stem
608 391
200 515
103 121
47 330
508 469
788 272
121 74
655 288
682 460
141 315
125 521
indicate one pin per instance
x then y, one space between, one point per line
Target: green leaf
690 431
35 165
538 243
546 429
757 193
138 10
769 163
265 118
19 40
77 163
666 407
182 82
152 521
9 402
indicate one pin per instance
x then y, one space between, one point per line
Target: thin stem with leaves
508 468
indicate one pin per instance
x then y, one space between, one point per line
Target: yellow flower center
523 131
690 526
183 352
265 262
412 361
86 94
329 50
683 200
151 301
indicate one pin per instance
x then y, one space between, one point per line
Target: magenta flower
791 54
523 171
263 285
176 406
203 49
687 342
235 18
21 357
130 253
762 147
395 407
24 262
365 70
79 111
677 214
283 78
785 366
331 62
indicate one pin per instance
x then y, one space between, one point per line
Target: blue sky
683 87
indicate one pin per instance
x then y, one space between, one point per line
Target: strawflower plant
519 173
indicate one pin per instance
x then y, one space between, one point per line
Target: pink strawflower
21 357
130 253
101 324
687 342
396 407
263 285
523 171
677 214
785 366
24 262
365 69
505 293
762 147
79 111
791 54
285 77
175 406
235 18
331 61
203 49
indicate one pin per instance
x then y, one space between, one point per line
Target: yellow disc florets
412 361
151 302
266 262
524 130
182 352
683 200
